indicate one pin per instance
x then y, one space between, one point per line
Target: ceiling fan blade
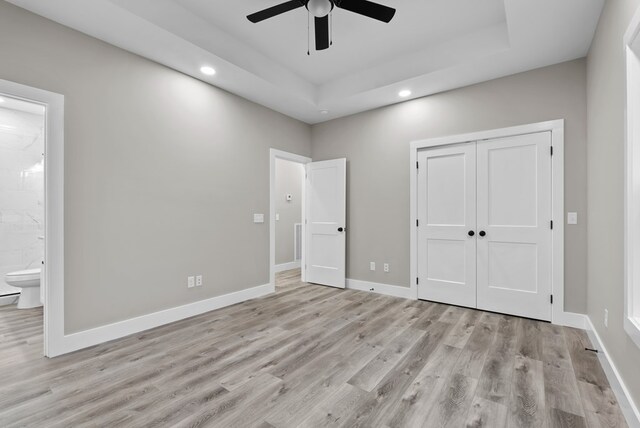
367 8
275 10
322 33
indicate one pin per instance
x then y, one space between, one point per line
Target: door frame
53 278
303 160
556 127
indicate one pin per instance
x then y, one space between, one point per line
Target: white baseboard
374 287
287 266
95 336
629 409
9 300
571 319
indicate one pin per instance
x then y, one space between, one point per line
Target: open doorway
286 220
32 218
22 135
289 186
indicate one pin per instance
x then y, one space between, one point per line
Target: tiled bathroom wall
21 192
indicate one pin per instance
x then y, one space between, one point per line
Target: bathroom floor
312 356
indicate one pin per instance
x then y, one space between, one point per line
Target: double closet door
484 217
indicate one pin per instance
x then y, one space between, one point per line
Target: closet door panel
446 215
514 212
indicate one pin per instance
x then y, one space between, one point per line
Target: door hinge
417 280
551 150
551 299
417 165
417 223
551 222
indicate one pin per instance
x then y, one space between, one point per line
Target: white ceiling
429 46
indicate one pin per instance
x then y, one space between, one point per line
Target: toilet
29 283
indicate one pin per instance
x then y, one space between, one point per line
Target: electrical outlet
606 318
191 282
372 265
386 267
199 281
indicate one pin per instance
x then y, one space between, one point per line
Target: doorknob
471 233
482 233
341 229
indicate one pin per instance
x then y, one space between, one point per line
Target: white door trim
273 155
556 127
631 315
53 279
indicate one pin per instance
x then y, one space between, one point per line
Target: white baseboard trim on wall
287 266
95 336
629 409
9 300
572 319
375 287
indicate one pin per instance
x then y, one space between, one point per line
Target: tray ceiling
429 46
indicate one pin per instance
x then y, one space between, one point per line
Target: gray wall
289 177
162 173
376 145
606 106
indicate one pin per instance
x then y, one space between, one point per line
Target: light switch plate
372 265
572 218
277 217
191 282
258 218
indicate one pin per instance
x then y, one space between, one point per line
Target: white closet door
514 214
326 217
446 215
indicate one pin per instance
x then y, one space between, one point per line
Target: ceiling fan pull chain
331 28
308 36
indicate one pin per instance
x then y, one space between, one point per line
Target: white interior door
326 217
514 214
446 224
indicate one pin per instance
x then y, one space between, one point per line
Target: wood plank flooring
311 356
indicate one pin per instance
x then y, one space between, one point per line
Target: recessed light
209 71
404 93
1 100
324 111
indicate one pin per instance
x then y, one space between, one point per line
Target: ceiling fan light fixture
319 8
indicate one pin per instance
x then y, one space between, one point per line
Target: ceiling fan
320 9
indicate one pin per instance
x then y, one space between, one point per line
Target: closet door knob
471 233
482 233
341 229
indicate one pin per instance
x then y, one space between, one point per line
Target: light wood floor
312 356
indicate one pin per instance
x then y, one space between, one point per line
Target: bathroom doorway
22 137
32 214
